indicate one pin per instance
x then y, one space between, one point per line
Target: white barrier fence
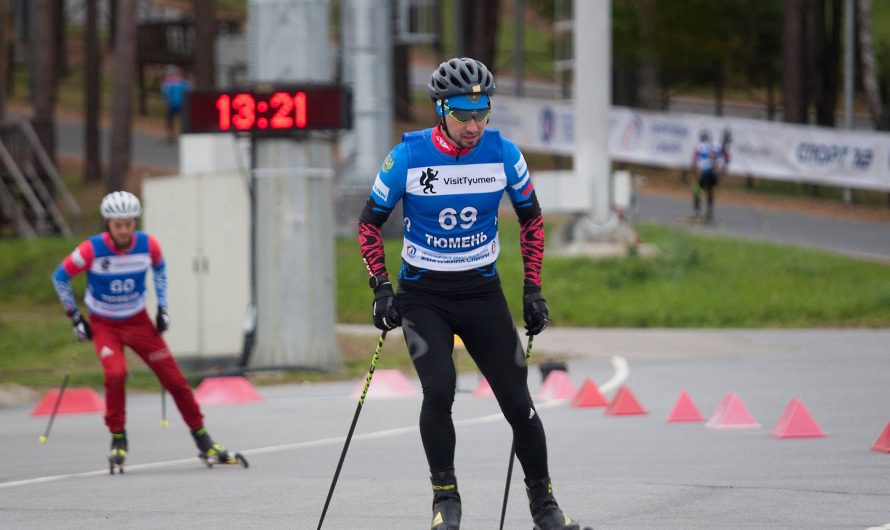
770 150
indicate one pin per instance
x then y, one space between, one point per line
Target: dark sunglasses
465 115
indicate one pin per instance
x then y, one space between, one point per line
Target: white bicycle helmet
120 205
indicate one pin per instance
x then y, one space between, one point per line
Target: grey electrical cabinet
202 223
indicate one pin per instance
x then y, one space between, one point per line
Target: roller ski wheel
573 526
118 452
224 459
570 526
115 464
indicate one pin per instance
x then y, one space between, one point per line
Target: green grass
702 281
696 281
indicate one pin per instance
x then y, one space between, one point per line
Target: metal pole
458 18
528 356
358 409
52 416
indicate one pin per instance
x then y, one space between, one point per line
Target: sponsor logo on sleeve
520 166
380 189
78 259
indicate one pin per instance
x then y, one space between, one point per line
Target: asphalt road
858 238
611 472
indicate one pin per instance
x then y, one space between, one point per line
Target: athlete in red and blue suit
116 262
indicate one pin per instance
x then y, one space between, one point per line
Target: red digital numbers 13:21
245 112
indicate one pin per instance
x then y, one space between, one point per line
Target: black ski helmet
461 75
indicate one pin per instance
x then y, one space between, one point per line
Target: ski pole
358 409
164 422
43 439
528 356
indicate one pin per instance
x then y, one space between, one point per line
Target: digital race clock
268 110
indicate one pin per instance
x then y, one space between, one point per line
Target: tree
794 102
5 38
826 58
44 70
869 70
649 93
205 43
60 48
122 99
92 169
480 30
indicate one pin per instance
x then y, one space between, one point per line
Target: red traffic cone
731 413
624 403
589 396
74 401
483 389
796 422
882 444
386 383
556 386
684 410
226 390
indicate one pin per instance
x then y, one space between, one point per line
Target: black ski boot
545 512
118 452
213 453
446 501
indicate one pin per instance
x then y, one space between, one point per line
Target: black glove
82 331
387 314
162 322
534 310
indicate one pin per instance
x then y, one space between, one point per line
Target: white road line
622 370
885 527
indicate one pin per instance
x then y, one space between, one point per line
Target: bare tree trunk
480 30
44 85
794 101
815 49
401 57
5 48
649 60
205 43
122 99
112 24
826 99
869 70
60 48
92 169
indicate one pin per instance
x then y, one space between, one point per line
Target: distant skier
709 161
116 262
173 89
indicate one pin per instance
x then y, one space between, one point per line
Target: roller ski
212 453
446 501
545 511
118 452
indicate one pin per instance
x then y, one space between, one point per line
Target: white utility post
289 42
592 99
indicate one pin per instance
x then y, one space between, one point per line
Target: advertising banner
763 149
